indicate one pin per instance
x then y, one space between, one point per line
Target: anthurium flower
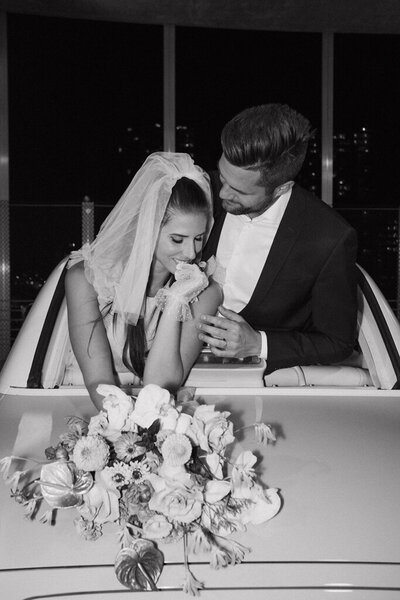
62 485
265 505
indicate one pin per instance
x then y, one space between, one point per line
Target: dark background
86 108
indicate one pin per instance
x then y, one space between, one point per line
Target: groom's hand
229 335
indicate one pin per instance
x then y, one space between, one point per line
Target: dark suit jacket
306 297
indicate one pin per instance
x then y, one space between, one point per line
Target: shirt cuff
264 345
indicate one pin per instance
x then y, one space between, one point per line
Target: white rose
177 501
212 428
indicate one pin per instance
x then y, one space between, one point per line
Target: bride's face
181 239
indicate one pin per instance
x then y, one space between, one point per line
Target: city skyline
76 86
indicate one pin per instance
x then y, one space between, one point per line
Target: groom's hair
271 138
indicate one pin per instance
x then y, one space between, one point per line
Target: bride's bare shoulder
75 278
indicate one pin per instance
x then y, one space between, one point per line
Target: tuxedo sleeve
330 335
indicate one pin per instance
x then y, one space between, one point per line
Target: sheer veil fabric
117 263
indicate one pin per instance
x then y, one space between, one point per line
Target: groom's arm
330 338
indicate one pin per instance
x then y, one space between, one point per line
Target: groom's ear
282 189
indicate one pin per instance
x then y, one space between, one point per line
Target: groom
287 259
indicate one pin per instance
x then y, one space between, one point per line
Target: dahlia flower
91 453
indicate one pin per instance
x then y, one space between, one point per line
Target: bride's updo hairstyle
187 197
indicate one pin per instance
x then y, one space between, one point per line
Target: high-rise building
310 174
138 142
352 156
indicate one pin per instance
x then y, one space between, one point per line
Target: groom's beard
236 208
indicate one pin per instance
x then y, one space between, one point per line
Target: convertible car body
335 462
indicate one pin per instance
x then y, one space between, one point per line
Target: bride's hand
190 281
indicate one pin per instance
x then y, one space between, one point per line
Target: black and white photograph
199 299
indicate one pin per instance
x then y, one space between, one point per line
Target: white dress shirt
242 250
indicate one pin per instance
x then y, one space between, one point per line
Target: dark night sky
75 87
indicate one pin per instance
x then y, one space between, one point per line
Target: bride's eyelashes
177 240
180 240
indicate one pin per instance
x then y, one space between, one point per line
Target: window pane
366 149
84 100
366 120
220 72
86 106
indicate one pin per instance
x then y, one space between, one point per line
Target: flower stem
185 551
38 462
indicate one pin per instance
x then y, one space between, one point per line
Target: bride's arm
87 333
176 345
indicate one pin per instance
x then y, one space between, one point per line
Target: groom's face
241 192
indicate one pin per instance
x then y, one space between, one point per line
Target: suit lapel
210 248
285 238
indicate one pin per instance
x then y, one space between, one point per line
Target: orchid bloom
155 403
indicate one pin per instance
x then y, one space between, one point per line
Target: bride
135 294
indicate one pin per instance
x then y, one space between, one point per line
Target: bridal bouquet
158 468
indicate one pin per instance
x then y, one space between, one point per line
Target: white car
335 462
